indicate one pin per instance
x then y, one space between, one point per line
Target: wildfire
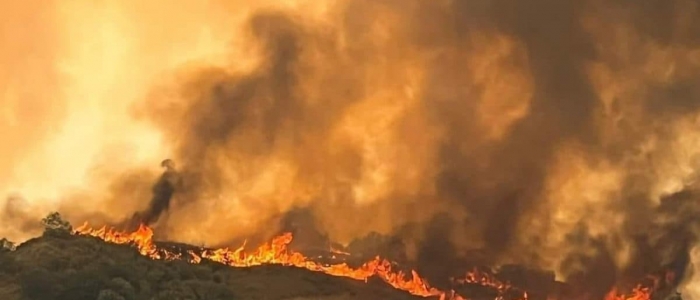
336 251
638 293
276 252
485 279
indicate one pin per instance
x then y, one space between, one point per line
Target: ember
276 252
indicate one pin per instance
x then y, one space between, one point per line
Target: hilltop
56 266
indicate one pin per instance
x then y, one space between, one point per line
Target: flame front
276 252
638 293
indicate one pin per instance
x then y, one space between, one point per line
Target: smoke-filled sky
560 134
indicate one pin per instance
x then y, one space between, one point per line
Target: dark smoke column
163 192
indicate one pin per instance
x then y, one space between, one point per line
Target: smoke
558 134
691 287
28 113
163 191
72 73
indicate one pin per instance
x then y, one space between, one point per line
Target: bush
126 272
39 284
54 225
176 293
109 295
8 264
83 285
211 291
6 245
124 288
155 274
144 289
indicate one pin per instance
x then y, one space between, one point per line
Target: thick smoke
544 128
557 134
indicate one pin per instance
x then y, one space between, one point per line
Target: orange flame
488 280
276 252
336 251
638 293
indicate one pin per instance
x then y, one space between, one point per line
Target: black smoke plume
163 190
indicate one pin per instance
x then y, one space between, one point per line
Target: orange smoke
529 125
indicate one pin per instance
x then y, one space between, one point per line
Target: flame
336 251
476 276
276 252
638 293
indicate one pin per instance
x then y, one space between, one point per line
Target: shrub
6 245
124 288
39 284
109 295
54 225
8 264
83 285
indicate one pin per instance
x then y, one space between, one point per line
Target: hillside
88 264
71 267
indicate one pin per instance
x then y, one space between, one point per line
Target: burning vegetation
276 252
36 283
63 266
